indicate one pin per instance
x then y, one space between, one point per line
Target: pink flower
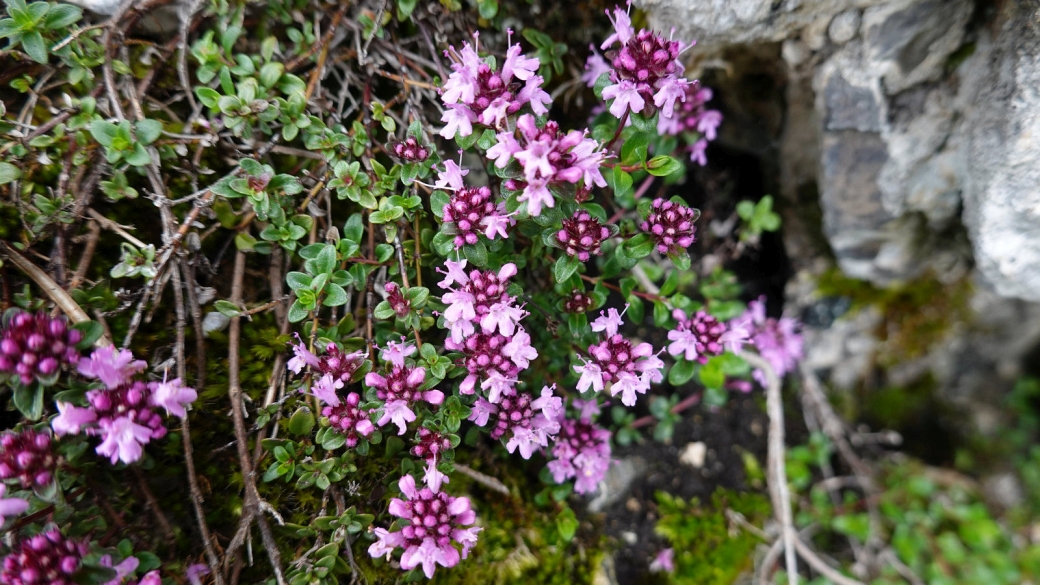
172 396
520 350
610 322
669 91
457 120
664 562
325 389
451 176
398 412
581 452
301 357
481 411
626 96
623 30
71 419
456 272
708 123
110 366
11 506
123 569
195 572
595 66
591 377
123 440
396 352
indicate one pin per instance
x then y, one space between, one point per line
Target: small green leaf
681 372
565 266
639 246
227 308
567 523
663 165
9 173
301 422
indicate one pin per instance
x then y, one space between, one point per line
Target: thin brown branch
61 298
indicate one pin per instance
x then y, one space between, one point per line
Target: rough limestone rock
1002 195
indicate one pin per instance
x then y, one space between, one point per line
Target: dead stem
50 288
251 511
189 454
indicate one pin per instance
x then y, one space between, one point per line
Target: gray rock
844 27
714 23
615 485
1002 193
849 107
909 40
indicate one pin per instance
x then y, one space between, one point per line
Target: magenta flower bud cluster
124 412
495 353
410 150
470 209
349 419
27 456
434 522
430 445
582 235
400 389
44 559
617 364
645 73
670 225
398 302
475 93
697 337
530 423
582 453
36 345
547 158
333 369
578 301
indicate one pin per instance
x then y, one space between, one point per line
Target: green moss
708 551
916 314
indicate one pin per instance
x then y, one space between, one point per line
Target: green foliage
708 551
33 26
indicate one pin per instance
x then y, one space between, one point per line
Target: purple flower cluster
547 157
582 235
471 211
28 457
476 93
495 353
349 419
693 117
123 412
581 452
671 226
400 388
529 422
645 73
701 336
334 369
777 340
409 150
578 301
617 364
430 444
398 302
36 345
434 522
47 558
